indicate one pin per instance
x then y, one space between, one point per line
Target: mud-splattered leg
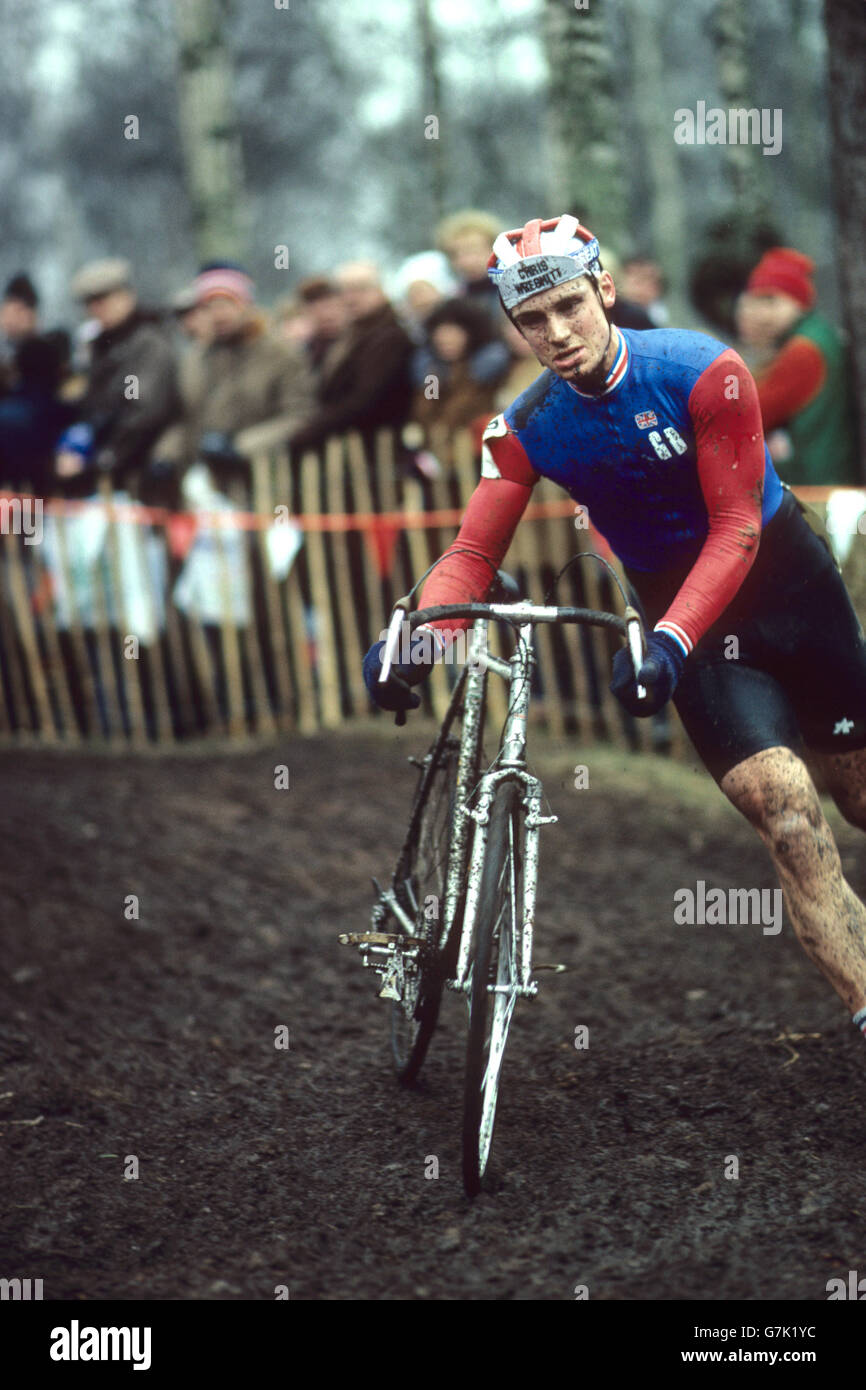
774 791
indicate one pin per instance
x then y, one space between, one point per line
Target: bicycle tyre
428 854
497 934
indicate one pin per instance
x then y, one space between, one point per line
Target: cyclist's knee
775 793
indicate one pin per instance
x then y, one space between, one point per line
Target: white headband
522 278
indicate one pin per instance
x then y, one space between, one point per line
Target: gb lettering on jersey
673 437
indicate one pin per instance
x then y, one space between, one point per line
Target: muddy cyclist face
567 329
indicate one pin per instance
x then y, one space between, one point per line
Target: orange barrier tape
253 521
325 521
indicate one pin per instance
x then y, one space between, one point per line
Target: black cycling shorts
796 675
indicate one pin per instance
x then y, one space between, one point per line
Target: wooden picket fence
293 663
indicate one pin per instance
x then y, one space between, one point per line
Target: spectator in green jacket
804 385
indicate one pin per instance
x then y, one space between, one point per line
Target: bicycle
459 911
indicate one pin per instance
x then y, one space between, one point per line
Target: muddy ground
305 1167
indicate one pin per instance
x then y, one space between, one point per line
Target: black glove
396 692
660 673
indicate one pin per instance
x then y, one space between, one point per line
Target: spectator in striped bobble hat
242 388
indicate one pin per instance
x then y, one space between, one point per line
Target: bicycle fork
530 803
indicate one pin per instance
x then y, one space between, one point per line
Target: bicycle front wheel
494 978
422 885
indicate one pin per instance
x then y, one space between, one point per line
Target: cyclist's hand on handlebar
396 692
661 669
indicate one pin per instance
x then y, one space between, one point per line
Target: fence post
263 503
326 652
346 603
29 646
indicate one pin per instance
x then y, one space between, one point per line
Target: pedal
557 969
377 938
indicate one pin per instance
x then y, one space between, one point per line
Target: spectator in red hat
803 387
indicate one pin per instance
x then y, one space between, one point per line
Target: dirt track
306 1167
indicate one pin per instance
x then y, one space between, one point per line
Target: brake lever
397 617
634 632
400 613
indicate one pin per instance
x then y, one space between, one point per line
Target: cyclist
658 434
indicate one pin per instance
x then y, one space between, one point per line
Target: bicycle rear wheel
495 963
421 886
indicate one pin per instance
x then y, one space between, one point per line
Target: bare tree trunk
667 211
586 165
846 35
209 131
732 59
432 97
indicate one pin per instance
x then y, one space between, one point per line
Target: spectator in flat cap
100 278
131 393
243 388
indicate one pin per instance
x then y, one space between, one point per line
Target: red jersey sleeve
726 414
466 570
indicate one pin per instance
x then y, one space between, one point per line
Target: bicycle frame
480 940
396 953
511 760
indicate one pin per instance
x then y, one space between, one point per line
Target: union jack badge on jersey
645 419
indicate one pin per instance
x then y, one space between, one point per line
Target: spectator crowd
141 397
167 407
